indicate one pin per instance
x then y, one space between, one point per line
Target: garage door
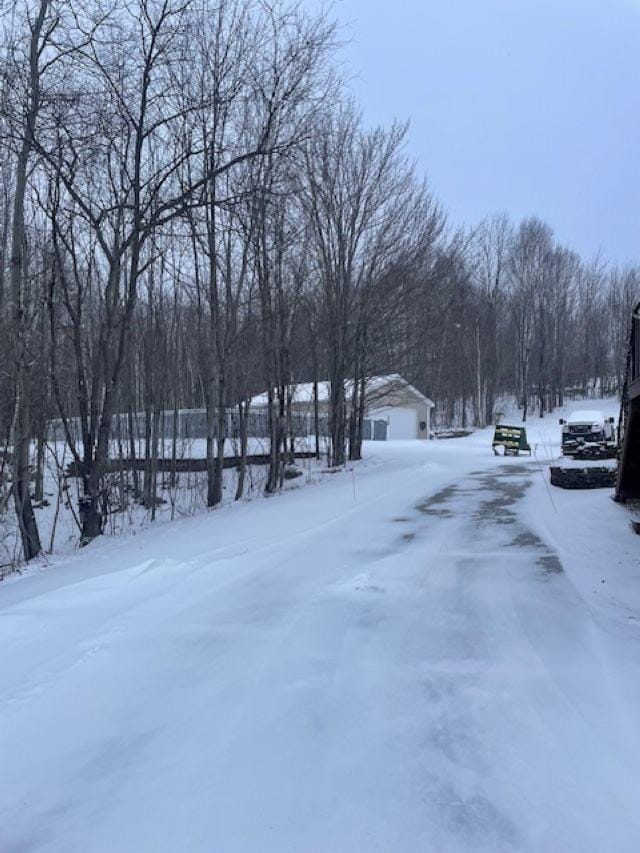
379 430
403 423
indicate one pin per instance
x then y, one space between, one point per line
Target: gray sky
527 106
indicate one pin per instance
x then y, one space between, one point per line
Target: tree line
193 211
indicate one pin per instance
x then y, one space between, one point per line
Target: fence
191 424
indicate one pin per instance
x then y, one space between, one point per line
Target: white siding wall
403 422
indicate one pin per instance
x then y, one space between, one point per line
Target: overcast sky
527 106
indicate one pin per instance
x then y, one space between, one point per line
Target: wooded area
193 211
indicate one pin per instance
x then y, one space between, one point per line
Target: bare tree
34 61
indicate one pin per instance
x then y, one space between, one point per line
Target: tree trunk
29 534
337 418
243 423
22 421
316 418
273 476
221 429
40 458
211 457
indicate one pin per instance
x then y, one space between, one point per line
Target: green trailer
512 438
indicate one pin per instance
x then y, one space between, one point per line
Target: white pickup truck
587 432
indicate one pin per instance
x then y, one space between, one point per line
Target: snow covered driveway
416 656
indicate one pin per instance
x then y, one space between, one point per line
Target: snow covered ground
58 517
434 651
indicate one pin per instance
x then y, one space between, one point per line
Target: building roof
376 388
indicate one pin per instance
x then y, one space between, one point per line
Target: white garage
394 409
406 411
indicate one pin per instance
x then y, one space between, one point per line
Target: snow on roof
376 386
585 416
